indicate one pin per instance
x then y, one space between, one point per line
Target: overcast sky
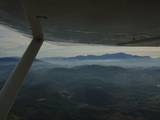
13 43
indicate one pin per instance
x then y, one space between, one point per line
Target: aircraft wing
109 22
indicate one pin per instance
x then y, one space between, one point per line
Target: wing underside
110 22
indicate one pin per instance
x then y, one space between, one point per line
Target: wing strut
11 87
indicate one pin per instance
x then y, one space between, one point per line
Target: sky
14 43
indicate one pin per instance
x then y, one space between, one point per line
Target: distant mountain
10 62
13 59
101 57
9 59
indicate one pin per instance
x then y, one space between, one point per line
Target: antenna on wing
143 41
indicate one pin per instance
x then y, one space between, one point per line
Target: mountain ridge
9 59
119 55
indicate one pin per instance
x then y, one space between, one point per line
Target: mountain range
100 57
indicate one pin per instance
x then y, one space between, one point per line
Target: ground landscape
88 92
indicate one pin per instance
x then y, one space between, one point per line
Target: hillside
89 92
